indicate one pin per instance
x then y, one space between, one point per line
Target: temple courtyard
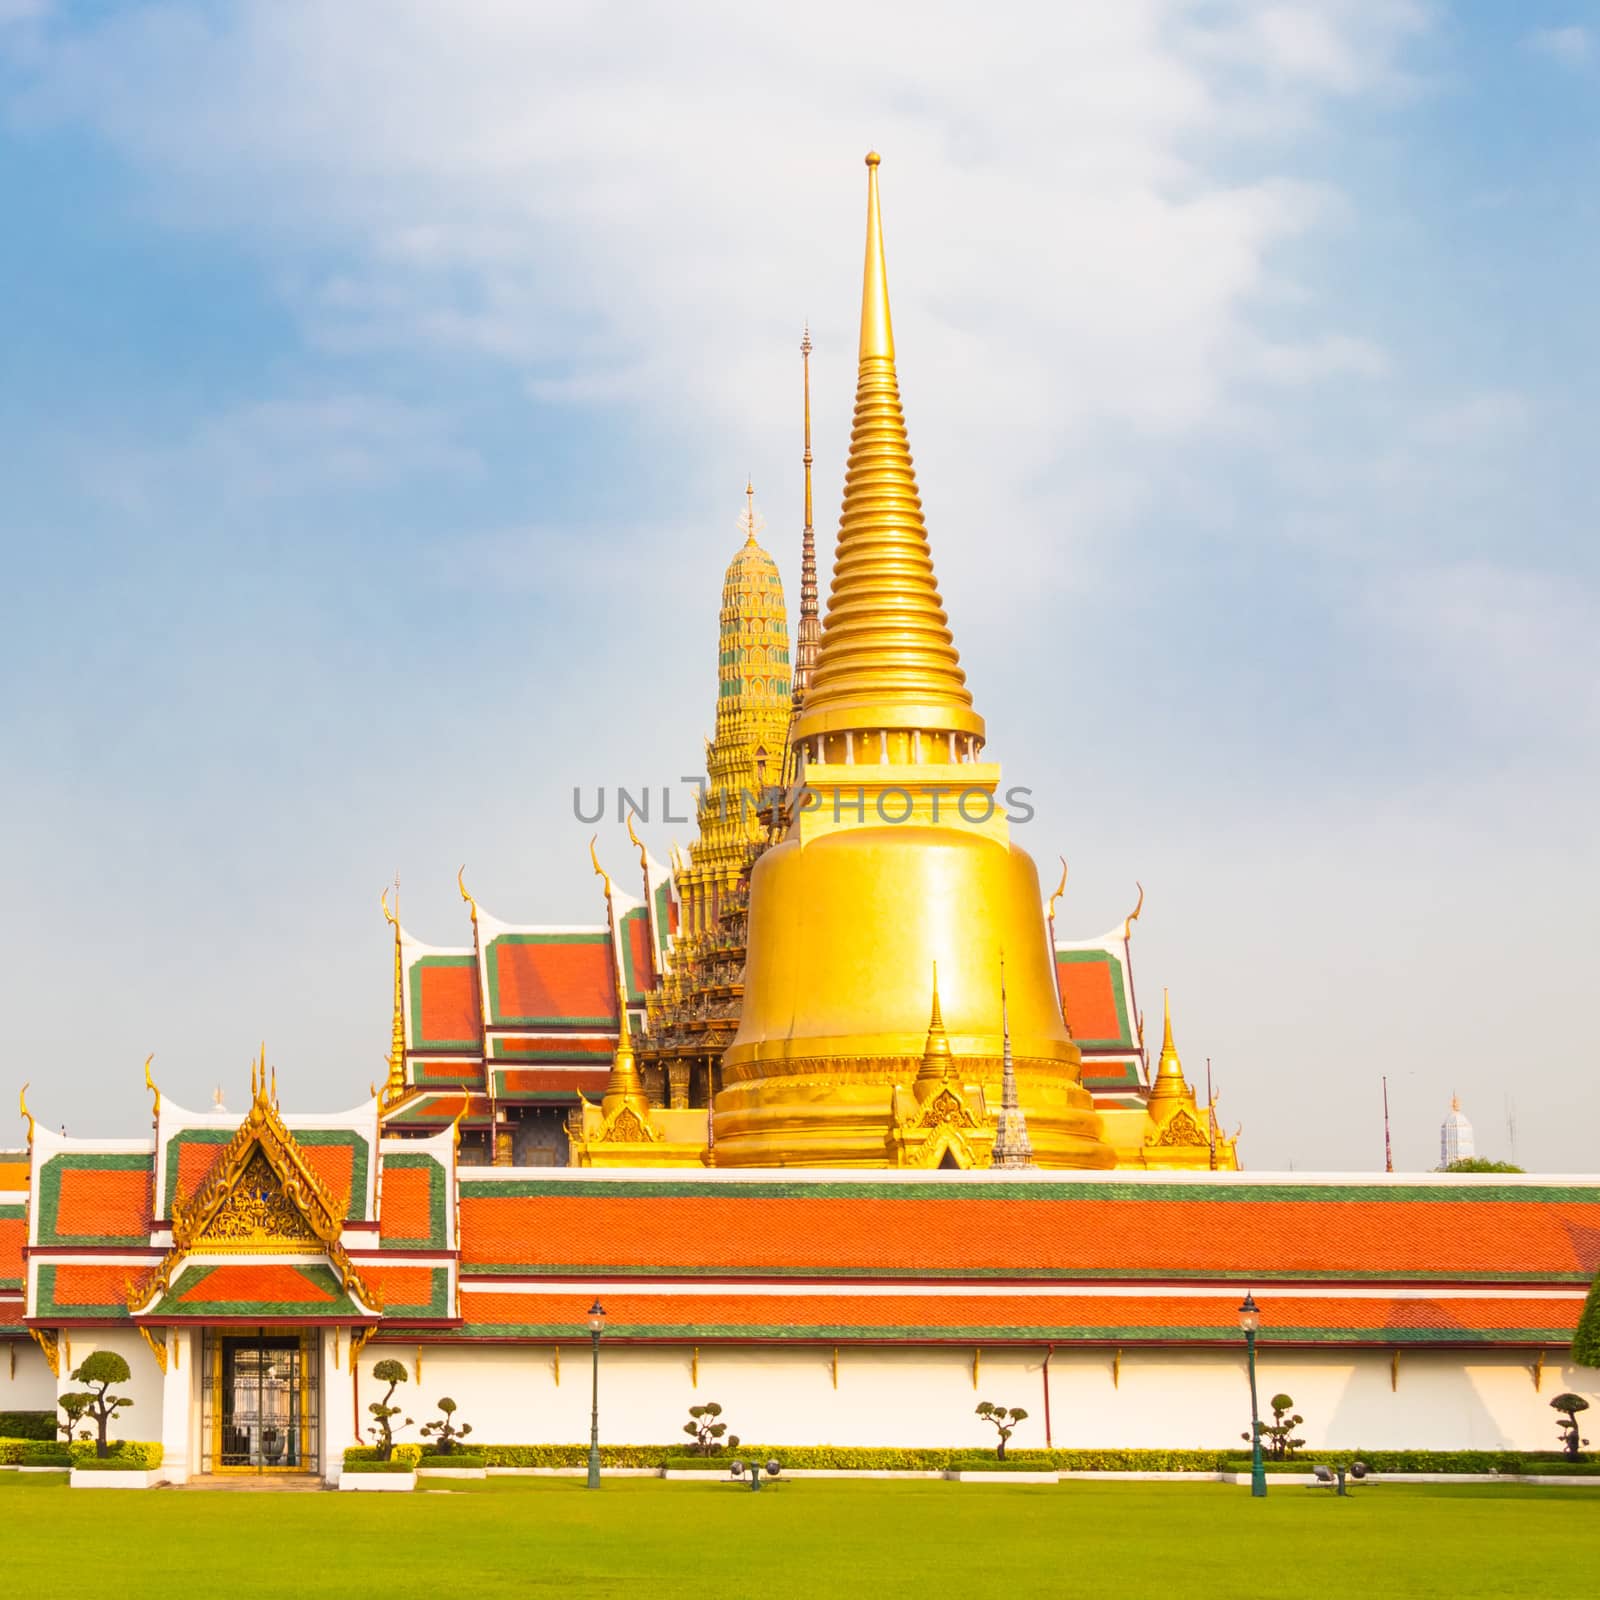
812 1538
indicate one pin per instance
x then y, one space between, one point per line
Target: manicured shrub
102 1369
27 1425
72 1407
1276 1435
1569 1406
706 1431
126 1455
1004 1421
394 1374
37 1453
447 1436
464 1459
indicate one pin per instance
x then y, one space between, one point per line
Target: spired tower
692 1015
897 857
1456 1142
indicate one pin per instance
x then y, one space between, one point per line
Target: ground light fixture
597 1326
1250 1321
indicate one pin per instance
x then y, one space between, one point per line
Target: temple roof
1035 1226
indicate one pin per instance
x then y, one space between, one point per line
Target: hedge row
465 1459
354 1467
27 1425
848 1457
127 1455
404 1459
33 1453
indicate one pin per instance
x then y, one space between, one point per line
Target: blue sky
379 391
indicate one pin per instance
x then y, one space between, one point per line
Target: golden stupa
898 857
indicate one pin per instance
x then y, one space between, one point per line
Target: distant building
1455 1136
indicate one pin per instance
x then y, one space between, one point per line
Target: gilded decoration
946 1107
626 1128
262 1197
49 1340
157 1341
1181 1130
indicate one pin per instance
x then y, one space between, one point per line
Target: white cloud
1573 45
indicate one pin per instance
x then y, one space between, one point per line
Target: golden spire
935 1068
1169 1071
887 660
625 1088
809 631
395 1086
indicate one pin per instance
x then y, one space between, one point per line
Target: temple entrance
261 1402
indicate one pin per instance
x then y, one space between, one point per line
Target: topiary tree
1569 1405
1005 1421
445 1430
706 1431
1586 1341
73 1406
1275 1435
104 1368
394 1374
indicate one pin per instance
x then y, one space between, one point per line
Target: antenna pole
1388 1148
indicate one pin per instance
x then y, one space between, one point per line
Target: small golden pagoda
898 856
1178 1132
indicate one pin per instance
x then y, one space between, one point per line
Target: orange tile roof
80 1283
1297 1318
450 1007
402 1288
13 1176
334 1164
254 1283
555 979
13 1235
97 1202
407 1196
195 1162
861 1228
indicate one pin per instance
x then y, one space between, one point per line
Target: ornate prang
1012 1146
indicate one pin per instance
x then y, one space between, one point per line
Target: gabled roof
91 1193
1095 977
263 1197
260 1291
548 977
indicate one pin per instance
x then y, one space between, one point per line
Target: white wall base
117 1480
378 1482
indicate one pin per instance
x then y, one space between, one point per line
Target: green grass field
812 1539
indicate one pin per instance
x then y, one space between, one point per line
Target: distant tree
1276 1435
1569 1405
707 1432
394 1374
104 1368
1479 1164
1004 1421
1586 1341
73 1406
445 1430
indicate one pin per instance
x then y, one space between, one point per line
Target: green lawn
812 1539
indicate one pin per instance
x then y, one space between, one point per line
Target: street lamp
1250 1321
597 1326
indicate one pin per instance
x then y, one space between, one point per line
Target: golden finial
372 1089
254 1094
461 884
395 1083
1169 1069
638 844
22 1106
273 1093
599 871
887 659
455 1127
935 1066
1061 888
1133 916
150 1084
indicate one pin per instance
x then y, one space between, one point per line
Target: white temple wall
337 1416
926 1397
25 1380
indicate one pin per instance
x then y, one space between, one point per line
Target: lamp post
1250 1321
597 1326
